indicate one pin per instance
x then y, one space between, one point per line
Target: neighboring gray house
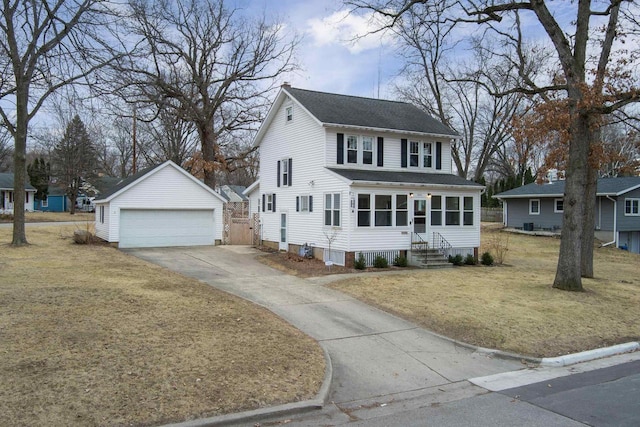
540 207
233 193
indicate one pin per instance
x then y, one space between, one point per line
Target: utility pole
133 169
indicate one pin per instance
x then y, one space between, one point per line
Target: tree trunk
20 166
208 143
589 223
568 273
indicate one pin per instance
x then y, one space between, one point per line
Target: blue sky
330 60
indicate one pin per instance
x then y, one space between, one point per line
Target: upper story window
289 113
420 154
359 150
632 206
352 149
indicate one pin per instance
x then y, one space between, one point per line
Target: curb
272 411
584 356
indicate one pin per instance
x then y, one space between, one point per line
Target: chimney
286 85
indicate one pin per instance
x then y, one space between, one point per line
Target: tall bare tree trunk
568 273
208 143
589 223
20 165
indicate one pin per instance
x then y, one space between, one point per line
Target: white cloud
354 32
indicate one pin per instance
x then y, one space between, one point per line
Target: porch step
430 258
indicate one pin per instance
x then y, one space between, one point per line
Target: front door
420 219
284 245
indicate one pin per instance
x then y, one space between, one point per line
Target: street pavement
387 371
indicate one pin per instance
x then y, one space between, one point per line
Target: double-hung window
402 211
364 210
632 207
352 149
332 209
534 206
289 114
420 154
558 205
284 168
436 210
367 150
269 203
383 211
452 212
467 215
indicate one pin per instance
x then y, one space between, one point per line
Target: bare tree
45 45
171 138
6 150
595 79
446 87
208 66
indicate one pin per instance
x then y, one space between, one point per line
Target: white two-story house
347 175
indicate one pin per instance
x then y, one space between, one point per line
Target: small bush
486 259
380 262
499 246
457 260
360 263
400 261
470 260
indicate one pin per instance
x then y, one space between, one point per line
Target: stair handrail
441 244
420 244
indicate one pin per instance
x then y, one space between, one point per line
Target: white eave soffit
396 131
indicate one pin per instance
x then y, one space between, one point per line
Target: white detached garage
160 206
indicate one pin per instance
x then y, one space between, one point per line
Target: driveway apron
373 353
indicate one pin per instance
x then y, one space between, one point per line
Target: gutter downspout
615 223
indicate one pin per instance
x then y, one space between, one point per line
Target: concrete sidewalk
373 353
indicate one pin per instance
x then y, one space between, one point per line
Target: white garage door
158 228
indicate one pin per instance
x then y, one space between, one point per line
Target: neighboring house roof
126 183
56 190
606 187
332 109
237 189
6 182
250 189
361 176
105 183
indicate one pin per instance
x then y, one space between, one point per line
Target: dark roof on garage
606 186
331 108
403 177
126 181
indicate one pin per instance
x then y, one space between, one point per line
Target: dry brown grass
513 307
91 336
53 217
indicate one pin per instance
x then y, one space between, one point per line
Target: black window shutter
380 151
438 155
290 172
263 202
273 204
340 149
278 178
297 203
403 152
310 203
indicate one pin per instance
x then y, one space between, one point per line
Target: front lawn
91 336
53 217
513 307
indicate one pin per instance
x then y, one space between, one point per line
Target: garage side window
101 214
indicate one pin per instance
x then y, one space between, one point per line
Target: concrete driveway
373 353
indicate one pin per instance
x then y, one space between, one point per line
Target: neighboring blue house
540 207
56 201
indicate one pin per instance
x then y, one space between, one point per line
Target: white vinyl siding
163 189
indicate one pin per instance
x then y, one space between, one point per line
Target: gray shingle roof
6 182
126 181
368 112
403 177
606 186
